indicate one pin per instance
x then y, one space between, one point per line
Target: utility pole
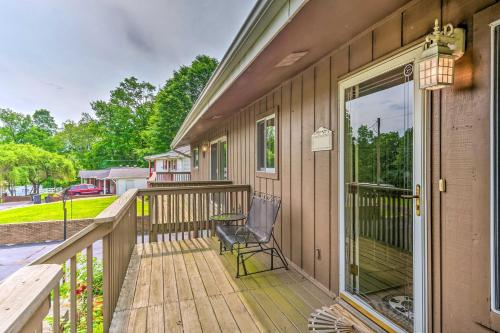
378 151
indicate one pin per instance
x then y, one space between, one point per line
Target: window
495 109
196 158
266 144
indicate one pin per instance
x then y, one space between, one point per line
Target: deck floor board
186 286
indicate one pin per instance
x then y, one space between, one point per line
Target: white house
174 165
116 180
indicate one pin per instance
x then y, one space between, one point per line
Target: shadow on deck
186 286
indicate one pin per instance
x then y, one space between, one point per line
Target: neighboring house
381 153
174 165
116 180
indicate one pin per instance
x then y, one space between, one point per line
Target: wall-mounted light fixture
204 148
437 62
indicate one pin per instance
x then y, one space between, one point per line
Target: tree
35 164
121 122
175 99
77 139
43 120
10 173
37 130
14 127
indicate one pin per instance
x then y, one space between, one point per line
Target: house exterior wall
184 164
122 185
458 135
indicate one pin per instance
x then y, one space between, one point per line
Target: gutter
265 21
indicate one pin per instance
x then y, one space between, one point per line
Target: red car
83 189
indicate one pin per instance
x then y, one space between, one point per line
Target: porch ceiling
320 27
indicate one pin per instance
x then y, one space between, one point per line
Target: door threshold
361 313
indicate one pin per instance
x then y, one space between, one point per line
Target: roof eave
266 20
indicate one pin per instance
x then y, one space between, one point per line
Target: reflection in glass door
378 189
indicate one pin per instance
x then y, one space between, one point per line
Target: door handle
415 196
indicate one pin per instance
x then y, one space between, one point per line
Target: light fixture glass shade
436 71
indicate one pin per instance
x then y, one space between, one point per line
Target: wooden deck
186 286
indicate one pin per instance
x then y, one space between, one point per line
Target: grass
79 208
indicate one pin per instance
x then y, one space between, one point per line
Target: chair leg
220 247
237 262
272 258
280 253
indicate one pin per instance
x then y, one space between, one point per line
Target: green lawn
80 208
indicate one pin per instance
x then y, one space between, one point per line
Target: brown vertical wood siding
308 182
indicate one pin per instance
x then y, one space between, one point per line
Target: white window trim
265 119
420 277
493 286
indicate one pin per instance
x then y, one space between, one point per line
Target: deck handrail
158 183
172 176
163 212
26 296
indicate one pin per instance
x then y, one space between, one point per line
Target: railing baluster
143 218
90 289
190 220
207 212
56 310
106 309
169 216
183 220
72 279
162 205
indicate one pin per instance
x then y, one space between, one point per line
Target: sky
60 55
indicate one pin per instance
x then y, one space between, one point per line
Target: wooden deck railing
173 176
188 183
184 212
137 216
383 214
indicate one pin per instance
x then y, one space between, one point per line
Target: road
10 205
13 257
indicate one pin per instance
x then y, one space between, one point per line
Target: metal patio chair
255 235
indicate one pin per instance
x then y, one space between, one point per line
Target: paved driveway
13 257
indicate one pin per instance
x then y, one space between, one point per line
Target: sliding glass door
218 159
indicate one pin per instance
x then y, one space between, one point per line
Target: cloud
54 85
61 55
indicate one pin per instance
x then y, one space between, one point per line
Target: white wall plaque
322 139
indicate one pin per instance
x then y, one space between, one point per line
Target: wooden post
72 309
106 309
90 296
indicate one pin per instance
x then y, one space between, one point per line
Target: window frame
196 161
495 163
272 173
219 141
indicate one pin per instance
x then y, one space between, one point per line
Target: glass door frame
219 142
419 226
